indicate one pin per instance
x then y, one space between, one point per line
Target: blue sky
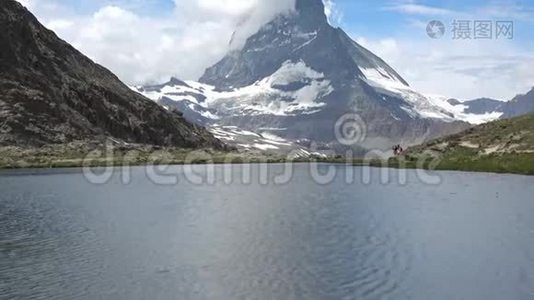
386 18
148 40
376 18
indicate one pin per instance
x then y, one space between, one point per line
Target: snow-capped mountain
475 112
485 110
297 76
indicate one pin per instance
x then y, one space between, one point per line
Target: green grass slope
505 146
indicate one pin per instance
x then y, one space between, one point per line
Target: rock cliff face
520 105
297 76
50 93
303 35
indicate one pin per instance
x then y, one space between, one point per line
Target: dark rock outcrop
483 106
520 105
50 93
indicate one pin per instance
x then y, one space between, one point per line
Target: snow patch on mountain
459 111
310 36
382 78
390 85
293 89
265 142
426 106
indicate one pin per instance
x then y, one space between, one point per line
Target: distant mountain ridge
518 106
50 93
297 76
483 106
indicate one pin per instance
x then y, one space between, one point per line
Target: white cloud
334 15
418 9
27 3
260 13
465 69
508 9
141 49
59 24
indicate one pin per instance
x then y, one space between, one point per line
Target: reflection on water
471 237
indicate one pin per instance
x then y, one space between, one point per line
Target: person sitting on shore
398 150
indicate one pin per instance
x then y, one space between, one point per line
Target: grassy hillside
505 146
80 154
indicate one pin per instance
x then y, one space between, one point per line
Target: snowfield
425 106
291 90
265 142
294 89
419 105
459 111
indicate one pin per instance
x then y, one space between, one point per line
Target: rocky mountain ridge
50 93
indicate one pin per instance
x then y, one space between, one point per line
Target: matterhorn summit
297 76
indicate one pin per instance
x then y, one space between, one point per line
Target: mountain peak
313 9
316 6
302 35
310 5
175 81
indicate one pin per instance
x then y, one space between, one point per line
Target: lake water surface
469 237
